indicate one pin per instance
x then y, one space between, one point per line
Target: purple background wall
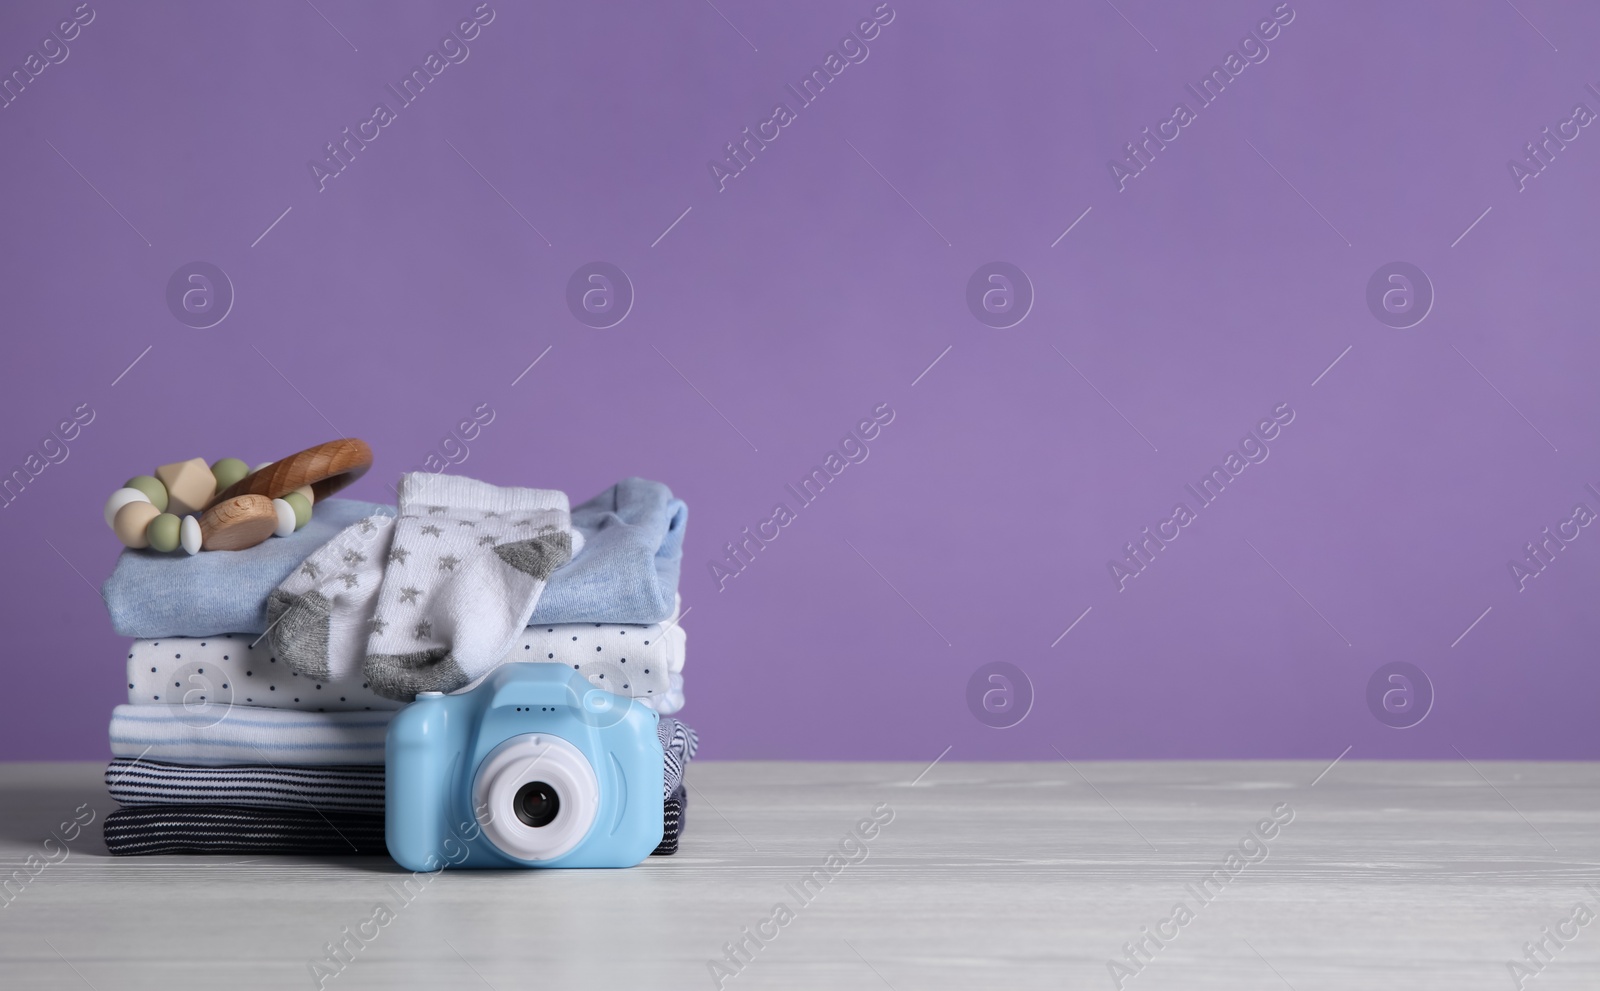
771 316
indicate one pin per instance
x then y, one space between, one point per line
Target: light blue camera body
535 767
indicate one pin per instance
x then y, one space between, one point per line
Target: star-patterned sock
321 614
465 570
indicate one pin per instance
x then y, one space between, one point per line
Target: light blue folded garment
627 571
151 594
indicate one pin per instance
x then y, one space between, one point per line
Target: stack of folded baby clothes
261 682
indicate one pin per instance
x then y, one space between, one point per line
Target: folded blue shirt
627 571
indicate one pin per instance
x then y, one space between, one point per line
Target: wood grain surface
327 468
1390 875
237 522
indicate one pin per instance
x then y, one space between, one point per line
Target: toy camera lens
537 797
536 804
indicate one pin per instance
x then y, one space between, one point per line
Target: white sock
465 570
320 615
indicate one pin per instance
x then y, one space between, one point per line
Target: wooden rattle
237 507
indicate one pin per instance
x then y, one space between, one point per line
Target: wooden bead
163 532
189 535
238 522
190 485
131 521
121 498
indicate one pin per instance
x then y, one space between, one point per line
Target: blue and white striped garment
213 734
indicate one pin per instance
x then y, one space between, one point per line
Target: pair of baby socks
430 600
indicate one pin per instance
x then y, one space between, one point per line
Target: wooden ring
327 468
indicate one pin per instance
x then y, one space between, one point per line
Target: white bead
189 535
264 464
285 517
121 498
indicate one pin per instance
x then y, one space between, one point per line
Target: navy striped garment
324 809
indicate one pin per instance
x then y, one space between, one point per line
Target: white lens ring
535 757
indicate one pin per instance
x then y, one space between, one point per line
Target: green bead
151 486
302 508
163 532
228 471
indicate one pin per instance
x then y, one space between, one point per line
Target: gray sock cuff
299 631
402 676
537 556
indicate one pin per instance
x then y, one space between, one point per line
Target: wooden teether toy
237 507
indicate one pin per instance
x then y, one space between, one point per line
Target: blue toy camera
535 767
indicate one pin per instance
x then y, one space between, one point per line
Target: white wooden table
1391 875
